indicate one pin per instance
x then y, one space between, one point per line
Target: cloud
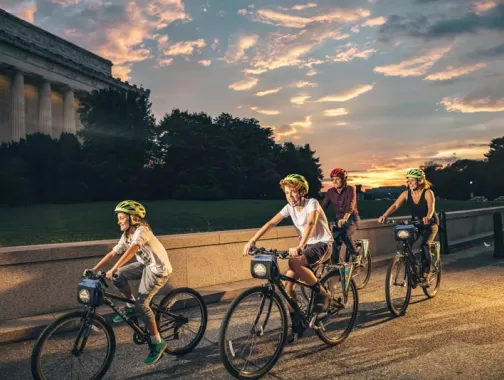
348 94
453 72
301 7
27 12
163 62
306 123
268 92
65 3
285 130
205 62
265 112
350 51
484 6
493 52
242 12
215 44
342 124
304 83
245 84
465 105
237 48
415 66
377 21
299 99
336 112
268 16
470 22
185 47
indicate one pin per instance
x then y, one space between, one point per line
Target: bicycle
269 301
363 263
170 315
406 233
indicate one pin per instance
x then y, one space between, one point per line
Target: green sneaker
156 351
130 312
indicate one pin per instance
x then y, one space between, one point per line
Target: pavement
459 334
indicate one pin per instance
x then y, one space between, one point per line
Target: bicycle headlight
259 270
84 295
403 234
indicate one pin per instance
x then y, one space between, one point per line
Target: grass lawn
94 221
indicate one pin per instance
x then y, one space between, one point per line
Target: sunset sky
374 86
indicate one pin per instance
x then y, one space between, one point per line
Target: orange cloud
462 105
453 72
300 99
415 66
483 6
163 62
336 112
268 92
237 48
185 47
65 3
350 51
26 11
343 15
348 94
265 112
303 83
377 21
300 7
245 84
307 123
205 62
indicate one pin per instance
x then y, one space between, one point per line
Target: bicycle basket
404 232
265 267
90 292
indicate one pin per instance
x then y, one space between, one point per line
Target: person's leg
149 286
121 282
337 256
349 230
428 236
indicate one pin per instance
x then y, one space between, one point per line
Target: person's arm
350 202
325 201
431 205
395 206
273 222
127 256
104 260
309 228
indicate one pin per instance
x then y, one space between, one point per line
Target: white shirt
321 232
152 254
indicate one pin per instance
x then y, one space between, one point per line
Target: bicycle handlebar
417 223
100 275
271 252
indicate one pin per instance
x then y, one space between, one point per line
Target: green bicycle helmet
131 208
298 178
415 173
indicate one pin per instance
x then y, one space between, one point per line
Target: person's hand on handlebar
293 252
248 246
110 274
426 220
382 219
88 272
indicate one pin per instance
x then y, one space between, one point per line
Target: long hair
135 222
426 184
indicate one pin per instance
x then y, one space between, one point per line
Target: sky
374 86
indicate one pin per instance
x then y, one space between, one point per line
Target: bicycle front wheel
253 333
76 343
185 325
398 286
334 326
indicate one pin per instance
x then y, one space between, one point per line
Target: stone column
45 108
18 123
68 112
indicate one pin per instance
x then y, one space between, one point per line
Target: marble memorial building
41 79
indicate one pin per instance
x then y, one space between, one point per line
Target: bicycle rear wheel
434 280
398 279
183 332
74 342
253 333
334 326
364 271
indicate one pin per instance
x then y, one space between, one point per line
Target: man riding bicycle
343 198
422 205
314 239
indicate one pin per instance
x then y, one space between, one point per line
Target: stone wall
43 279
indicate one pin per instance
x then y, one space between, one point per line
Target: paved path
459 334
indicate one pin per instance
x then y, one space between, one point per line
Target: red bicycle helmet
338 172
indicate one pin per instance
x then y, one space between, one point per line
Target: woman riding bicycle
343 198
153 268
422 205
315 238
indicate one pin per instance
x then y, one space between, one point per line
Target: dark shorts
314 252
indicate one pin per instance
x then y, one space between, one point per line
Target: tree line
123 153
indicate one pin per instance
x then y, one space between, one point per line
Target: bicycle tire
362 284
51 328
355 307
224 326
204 320
390 306
431 292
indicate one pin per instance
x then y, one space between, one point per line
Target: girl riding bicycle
153 268
422 204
